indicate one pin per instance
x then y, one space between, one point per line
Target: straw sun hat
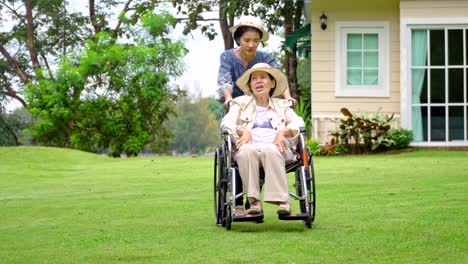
251 21
281 80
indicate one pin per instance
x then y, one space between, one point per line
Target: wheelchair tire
220 187
313 194
216 192
305 186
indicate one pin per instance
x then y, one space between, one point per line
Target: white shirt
262 131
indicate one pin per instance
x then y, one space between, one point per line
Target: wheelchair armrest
302 138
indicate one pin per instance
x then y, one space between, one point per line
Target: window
439 87
362 59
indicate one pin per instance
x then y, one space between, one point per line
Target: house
407 57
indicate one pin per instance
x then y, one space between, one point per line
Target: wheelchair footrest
248 218
302 216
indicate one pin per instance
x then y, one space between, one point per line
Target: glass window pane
419 127
419 86
424 93
437 86
466 45
438 123
371 42
419 48
455 47
437 51
354 59
354 77
354 41
371 77
371 59
466 78
455 85
456 123
425 118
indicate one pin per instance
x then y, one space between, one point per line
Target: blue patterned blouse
231 69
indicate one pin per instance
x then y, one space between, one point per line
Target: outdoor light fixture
323 21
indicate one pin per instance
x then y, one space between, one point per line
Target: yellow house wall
324 102
433 9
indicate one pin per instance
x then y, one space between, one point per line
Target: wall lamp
323 21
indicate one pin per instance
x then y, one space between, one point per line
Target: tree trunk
30 33
226 21
292 15
119 23
92 17
11 61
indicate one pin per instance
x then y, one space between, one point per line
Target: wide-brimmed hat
251 21
281 80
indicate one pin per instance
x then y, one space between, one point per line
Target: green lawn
65 206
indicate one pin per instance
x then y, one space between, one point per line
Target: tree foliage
88 76
14 127
195 127
38 32
112 95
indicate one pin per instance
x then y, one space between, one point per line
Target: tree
40 32
195 127
193 14
15 126
111 95
7 132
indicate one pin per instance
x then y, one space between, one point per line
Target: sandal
284 209
239 210
255 208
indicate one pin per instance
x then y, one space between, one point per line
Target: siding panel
433 9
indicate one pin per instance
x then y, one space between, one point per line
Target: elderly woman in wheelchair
262 127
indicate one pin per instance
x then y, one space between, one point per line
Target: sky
202 61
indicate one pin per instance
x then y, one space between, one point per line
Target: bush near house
366 133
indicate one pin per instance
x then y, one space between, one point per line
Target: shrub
401 137
359 133
314 146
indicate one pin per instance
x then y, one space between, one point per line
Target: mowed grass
66 206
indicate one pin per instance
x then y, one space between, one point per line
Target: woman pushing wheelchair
261 126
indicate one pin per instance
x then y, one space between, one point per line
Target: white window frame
406 25
382 29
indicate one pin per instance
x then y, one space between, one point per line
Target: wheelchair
226 174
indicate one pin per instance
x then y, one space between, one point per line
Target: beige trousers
250 160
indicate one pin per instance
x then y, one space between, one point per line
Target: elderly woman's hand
245 137
280 139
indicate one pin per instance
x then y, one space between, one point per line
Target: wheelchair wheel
217 201
220 187
312 181
305 187
222 209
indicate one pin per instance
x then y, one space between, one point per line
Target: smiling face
261 83
249 42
